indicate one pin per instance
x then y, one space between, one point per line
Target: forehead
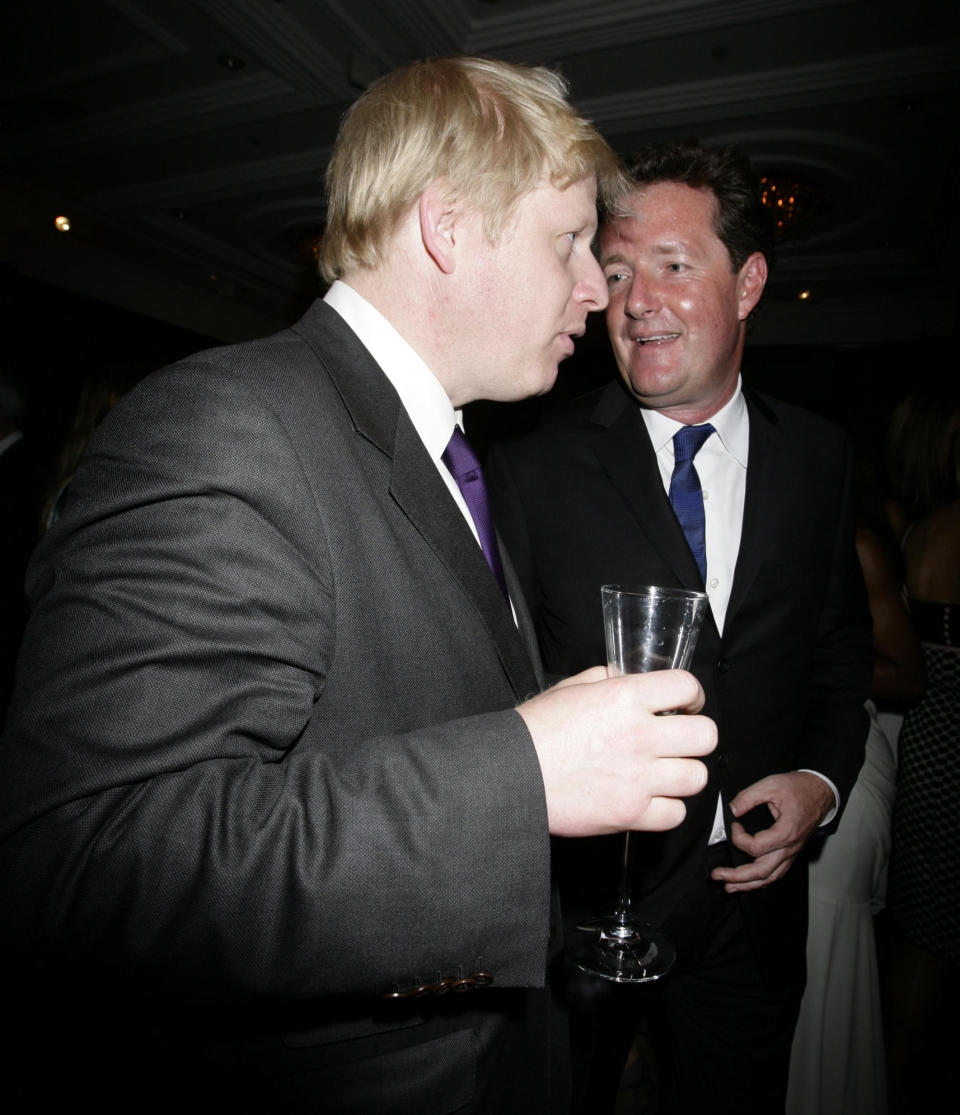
573 206
665 213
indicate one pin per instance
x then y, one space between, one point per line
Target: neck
697 414
416 306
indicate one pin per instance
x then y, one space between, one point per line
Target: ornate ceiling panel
187 139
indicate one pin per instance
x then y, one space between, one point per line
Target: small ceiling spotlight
62 224
805 295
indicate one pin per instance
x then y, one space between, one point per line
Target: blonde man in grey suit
279 783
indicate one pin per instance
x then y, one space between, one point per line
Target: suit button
442 986
468 983
722 666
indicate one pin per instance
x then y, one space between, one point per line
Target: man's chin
549 380
536 386
650 388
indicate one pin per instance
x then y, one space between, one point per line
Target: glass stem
626 878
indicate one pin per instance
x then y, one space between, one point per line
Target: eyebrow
665 248
671 247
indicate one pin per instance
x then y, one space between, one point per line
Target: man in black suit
765 527
277 784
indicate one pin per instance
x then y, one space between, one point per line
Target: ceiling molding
765 91
190 112
575 26
231 180
439 27
280 43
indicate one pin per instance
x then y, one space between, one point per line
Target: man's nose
592 288
643 297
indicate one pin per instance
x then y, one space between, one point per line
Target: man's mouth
656 338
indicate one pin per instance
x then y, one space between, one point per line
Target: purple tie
465 469
686 495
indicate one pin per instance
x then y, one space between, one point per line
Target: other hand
798 801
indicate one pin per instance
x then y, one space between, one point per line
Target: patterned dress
924 886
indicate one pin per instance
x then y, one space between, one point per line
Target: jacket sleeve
842 659
169 804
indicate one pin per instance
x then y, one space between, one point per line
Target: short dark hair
741 222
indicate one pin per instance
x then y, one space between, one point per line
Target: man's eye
615 277
676 268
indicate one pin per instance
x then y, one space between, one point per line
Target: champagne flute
646 628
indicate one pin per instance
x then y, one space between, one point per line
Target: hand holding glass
646 628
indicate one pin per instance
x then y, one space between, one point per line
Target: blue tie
686 495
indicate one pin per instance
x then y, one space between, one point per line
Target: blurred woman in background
924 883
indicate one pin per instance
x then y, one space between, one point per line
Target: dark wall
54 340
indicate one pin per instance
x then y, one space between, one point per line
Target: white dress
837 1063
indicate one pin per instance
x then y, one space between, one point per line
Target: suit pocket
434 1077
350 1029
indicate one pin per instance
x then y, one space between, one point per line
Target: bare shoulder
932 555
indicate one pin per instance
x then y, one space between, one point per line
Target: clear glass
646 628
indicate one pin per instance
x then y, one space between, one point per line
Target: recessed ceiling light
62 224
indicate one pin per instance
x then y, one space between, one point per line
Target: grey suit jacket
263 751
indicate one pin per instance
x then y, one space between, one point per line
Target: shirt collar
731 422
421 393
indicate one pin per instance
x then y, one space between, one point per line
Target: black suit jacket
264 767
581 503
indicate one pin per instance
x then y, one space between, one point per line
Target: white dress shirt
721 465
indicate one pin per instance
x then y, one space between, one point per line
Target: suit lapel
762 510
415 485
624 452
525 625
423 497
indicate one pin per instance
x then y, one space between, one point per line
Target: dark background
187 140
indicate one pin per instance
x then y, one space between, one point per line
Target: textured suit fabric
263 766
20 501
581 503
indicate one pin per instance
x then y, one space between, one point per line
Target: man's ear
438 212
751 281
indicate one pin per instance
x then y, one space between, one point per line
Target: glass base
621 953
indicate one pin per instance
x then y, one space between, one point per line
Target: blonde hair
490 130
